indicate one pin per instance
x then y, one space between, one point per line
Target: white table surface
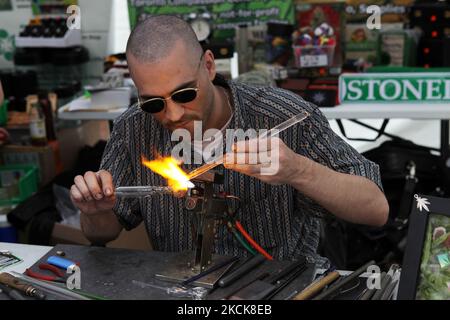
28 253
432 111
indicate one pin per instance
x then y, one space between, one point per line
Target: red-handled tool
59 276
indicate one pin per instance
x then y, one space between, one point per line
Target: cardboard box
135 239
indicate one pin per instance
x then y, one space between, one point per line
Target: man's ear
210 64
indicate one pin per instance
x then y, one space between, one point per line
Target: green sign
226 15
394 87
55 6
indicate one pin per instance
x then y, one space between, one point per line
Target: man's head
164 56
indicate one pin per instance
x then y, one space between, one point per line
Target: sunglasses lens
185 96
153 106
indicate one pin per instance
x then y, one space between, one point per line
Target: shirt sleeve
321 144
318 142
116 160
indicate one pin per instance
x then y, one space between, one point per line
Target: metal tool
242 270
261 289
233 296
58 276
388 284
338 285
196 293
7 259
12 293
367 294
389 290
385 279
26 288
270 133
210 270
207 209
281 285
142 191
50 286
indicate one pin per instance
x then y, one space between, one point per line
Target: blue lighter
61 262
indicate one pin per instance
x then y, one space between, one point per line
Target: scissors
58 276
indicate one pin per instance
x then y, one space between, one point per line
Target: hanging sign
226 14
417 87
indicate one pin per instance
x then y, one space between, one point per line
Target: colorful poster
226 15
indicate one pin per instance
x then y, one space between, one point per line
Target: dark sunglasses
185 95
155 105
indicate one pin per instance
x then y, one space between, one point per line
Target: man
318 172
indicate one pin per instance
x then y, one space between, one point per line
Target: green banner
226 15
394 87
51 6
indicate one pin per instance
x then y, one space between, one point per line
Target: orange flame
170 169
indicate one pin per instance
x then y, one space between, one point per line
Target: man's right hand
93 192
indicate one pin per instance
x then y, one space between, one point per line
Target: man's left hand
268 160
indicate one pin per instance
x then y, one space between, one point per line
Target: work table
120 273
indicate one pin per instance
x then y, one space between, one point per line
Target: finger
83 188
106 182
93 185
76 194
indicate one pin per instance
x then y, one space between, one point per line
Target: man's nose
174 111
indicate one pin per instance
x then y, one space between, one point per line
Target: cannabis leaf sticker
422 203
6 45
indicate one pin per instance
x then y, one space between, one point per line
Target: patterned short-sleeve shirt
282 220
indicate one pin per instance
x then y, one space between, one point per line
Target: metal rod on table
49 286
345 280
270 133
210 270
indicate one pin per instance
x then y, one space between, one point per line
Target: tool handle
55 270
343 281
241 271
316 286
15 283
39 276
